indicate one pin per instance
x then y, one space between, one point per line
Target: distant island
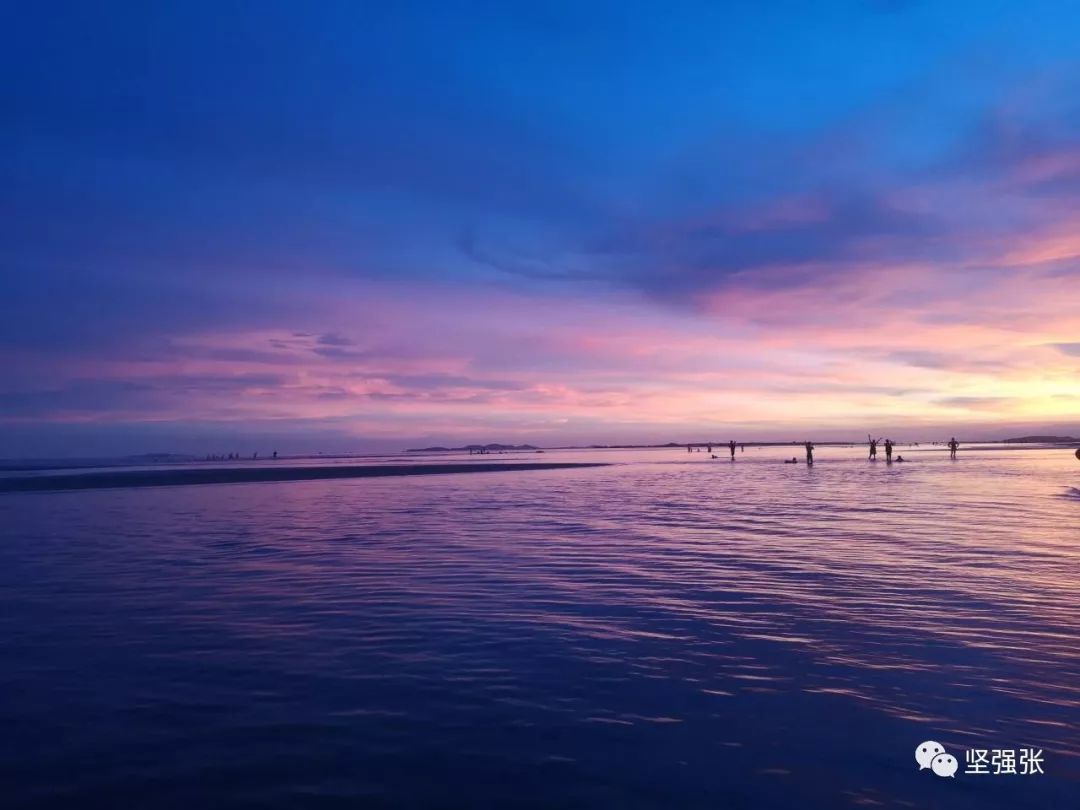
474 448
502 448
1043 440
160 458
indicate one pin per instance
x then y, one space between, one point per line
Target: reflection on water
667 632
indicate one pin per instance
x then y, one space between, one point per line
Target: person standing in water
731 447
809 452
888 449
873 447
953 444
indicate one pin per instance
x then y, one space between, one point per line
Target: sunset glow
644 228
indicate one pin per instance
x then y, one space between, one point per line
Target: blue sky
228 175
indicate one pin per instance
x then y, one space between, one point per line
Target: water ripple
652 634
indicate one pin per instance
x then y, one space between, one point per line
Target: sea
670 630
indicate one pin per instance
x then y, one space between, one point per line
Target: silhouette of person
709 448
809 452
873 449
899 458
275 454
888 449
688 450
742 448
731 446
953 444
793 461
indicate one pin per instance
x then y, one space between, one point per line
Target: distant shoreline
41 464
162 478
508 448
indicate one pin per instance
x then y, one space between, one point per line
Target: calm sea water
670 631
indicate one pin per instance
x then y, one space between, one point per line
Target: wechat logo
932 755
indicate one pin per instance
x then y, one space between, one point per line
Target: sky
341 226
